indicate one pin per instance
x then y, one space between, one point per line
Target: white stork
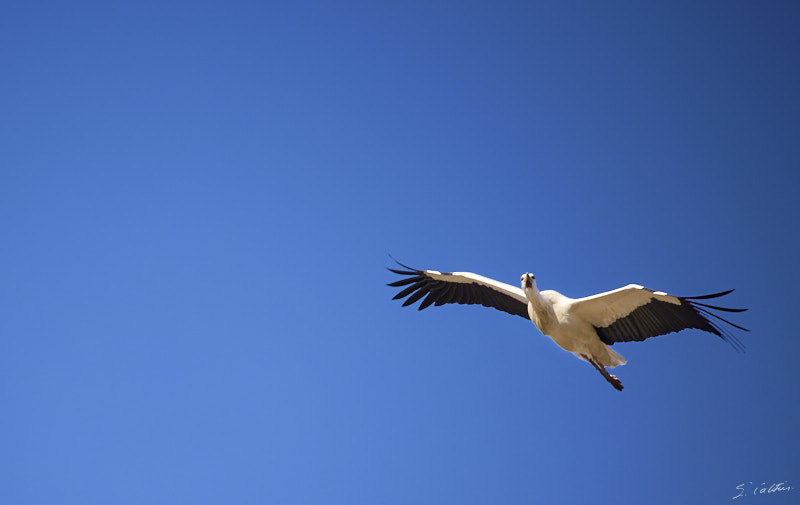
586 327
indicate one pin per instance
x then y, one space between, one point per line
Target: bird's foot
615 382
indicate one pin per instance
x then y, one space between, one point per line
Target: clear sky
197 200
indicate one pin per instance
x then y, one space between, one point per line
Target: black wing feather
427 301
706 297
403 282
725 309
404 293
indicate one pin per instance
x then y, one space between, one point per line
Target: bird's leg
610 378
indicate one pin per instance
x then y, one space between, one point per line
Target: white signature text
761 489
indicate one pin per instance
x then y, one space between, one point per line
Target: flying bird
586 327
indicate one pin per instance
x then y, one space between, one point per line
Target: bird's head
528 282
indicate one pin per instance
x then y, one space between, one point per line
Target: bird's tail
613 358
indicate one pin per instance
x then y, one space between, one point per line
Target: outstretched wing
439 288
635 313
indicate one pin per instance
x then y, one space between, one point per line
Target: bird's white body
552 313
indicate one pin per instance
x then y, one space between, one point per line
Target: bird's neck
535 297
540 310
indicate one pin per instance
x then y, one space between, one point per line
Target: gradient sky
197 200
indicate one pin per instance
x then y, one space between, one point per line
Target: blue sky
197 200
